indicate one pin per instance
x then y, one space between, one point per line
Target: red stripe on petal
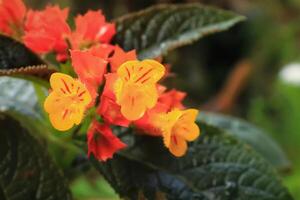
66 85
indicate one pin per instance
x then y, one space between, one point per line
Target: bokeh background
251 71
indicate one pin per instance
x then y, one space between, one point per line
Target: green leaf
26 170
13 54
217 166
158 29
250 134
18 95
15 58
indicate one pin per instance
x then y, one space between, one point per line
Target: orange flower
46 30
102 143
109 110
135 88
67 101
12 13
178 127
89 68
119 57
91 28
172 99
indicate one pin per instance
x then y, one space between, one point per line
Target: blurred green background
251 71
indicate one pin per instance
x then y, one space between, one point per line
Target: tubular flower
12 14
67 101
109 110
46 31
88 67
102 143
172 99
178 127
91 28
119 57
135 89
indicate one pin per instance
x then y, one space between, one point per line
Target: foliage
155 31
217 166
230 160
24 158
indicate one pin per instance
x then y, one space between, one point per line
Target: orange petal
178 146
187 131
119 57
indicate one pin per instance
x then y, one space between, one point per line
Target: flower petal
178 146
102 143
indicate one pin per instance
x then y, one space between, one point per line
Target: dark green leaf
156 30
216 167
13 54
256 138
15 58
26 170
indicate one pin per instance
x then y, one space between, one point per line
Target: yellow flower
67 101
135 89
178 127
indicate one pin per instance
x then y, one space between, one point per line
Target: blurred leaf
96 187
15 58
248 133
26 170
19 96
217 166
158 29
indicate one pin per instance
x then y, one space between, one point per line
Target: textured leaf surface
26 170
250 134
154 31
216 167
13 54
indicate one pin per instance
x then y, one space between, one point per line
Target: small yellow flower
135 89
178 127
67 101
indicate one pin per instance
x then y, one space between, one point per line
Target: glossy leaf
158 29
26 170
250 134
217 166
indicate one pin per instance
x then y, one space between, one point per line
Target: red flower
89 68
12 13
120 56
46 30
102 143
108 108
172 99
91 28
167 101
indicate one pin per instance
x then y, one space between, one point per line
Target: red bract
172 99
46 31
102 143
12 13
91 28
108 108
120 56
89 68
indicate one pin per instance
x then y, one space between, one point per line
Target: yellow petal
144 72
189 132
60 122
61 82
132 104
178 146
82 93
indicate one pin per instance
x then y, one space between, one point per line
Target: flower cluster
124 90
47 30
